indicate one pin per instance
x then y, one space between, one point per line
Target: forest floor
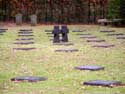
58 67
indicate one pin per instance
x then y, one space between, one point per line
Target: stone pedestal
33 20
19 19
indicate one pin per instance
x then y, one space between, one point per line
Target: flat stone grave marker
24 43
107 31
91 68
88 37
51 39
79 30
95 40
84 34
24 49
50 36
20 39
48 31
28 79
116 34
122 37
25 32
67 50
102 83
3 29
65 44
25 29
23 35
103 46
1 34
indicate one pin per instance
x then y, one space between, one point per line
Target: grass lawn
58 67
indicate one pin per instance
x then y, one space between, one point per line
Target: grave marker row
2 31
25 39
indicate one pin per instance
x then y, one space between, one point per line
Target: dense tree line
116 9
64 11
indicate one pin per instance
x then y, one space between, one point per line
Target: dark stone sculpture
64 32
56 33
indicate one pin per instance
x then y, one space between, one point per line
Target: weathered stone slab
24 49
84 34
25 29
67 50
102 83
51 39
118 34
33 20
24 32
65 44
2 29
79 30
1 34
50 36
91 68
104 22
28 79
19 19
107 31
20 39
23 35
48 31
88 37
24 43
96 40
121 37
103 46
